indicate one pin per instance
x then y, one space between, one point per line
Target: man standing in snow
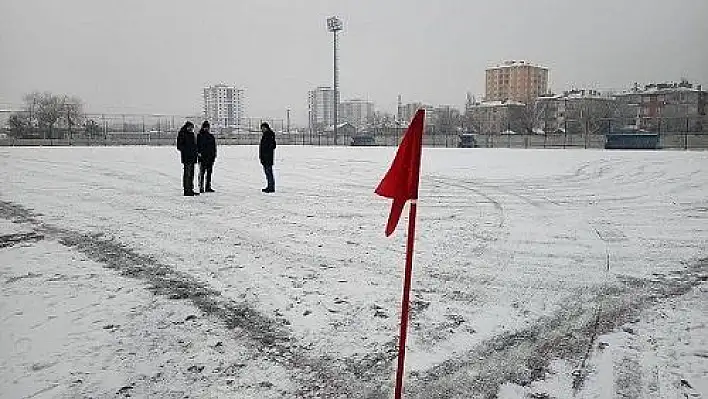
266 154
187 146
206 149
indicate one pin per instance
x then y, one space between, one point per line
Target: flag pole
405 302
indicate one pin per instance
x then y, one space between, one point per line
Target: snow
663 347
73 329
498 103
509 242
514 63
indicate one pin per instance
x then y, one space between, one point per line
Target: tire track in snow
501 217
628 377
318 377
9 240
523 356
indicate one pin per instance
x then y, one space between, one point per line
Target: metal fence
102 126
169 138
675 141
132 129
668 141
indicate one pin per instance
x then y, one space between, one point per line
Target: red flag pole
405 302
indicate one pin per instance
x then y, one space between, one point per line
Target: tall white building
320 106
357 112
224 105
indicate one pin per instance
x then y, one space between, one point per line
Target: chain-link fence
648 133
152 129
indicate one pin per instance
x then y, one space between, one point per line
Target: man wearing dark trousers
266 154
206 149
187 146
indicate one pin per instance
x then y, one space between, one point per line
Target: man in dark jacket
206 148
187 146
266 154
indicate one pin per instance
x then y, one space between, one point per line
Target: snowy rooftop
663 88
515 63
341 125
498 104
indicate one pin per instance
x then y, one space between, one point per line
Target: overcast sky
155 56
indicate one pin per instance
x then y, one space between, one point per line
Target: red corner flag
401 181
401 184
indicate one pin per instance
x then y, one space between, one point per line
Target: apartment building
224 105
320 107
516 81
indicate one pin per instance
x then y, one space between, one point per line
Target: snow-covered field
538 274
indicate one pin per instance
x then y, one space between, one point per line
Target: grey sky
155 56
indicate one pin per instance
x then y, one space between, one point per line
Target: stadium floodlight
335 25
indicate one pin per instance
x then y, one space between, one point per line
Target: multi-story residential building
516 81
406 111
320 105
666 107
224 105
578 111
357 112
495 117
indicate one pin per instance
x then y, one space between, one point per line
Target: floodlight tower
335 25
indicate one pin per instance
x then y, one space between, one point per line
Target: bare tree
91 128
446 120
529 116
19 124
595 115
472 121
383 119
46 111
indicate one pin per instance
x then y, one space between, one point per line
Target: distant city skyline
157 56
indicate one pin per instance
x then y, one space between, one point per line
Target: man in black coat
266 154
206 148
187 146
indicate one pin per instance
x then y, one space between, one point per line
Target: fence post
685 137
609 130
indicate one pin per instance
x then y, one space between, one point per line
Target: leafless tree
19 124
46 110
472 122
529 116
383 119
446 120
595 115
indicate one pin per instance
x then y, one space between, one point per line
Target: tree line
48 115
